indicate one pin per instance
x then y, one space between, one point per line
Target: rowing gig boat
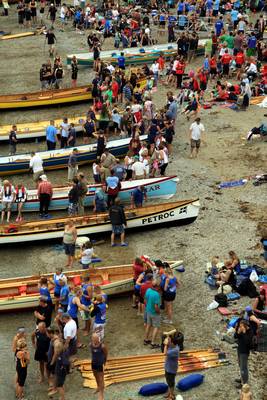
23 292
17 35
57 159
46 98
32 130
148 217
161 187
134 55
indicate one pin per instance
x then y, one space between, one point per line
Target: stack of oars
124 369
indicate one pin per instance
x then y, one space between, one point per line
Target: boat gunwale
167 207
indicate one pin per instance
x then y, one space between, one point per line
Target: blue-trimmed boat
58 159
161 187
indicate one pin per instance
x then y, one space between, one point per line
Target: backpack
221 299
247 288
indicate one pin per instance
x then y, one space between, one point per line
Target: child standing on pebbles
245 393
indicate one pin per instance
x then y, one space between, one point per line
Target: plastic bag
254 276
213 305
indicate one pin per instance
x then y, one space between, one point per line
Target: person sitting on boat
20 198
7 194
87 254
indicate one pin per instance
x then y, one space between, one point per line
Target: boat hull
163 188
5 105
133 55
169 214
58 159
117 288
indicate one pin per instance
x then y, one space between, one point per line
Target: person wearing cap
72 165
195 133
138 168
36 165
45 193
43 312
7 195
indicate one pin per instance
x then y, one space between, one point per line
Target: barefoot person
7 194
86 300
20 198
69 240
22 356
74 306
41 341
99 358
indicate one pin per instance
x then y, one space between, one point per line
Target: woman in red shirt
213 67
240 60
180 68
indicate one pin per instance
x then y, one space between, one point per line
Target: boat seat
105 278
22 290
76 280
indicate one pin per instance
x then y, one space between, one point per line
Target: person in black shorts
168 135
62 368
99 358
41 341
51 39
22 356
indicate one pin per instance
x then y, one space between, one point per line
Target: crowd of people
231 71
56 338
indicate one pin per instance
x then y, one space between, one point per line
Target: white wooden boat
161 187
57 159
148 217
21 293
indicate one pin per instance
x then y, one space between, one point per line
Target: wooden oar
148 363
193 367
147 368
143 356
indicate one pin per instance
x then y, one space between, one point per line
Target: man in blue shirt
219 26
171 351
121 61
51 136
64 294
152 314
138 196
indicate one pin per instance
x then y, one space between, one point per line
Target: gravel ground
229 220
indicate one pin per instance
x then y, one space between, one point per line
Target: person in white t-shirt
70 334
7 194
36 165
138 168
87 255
63 12
64 133
155 69
196 131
